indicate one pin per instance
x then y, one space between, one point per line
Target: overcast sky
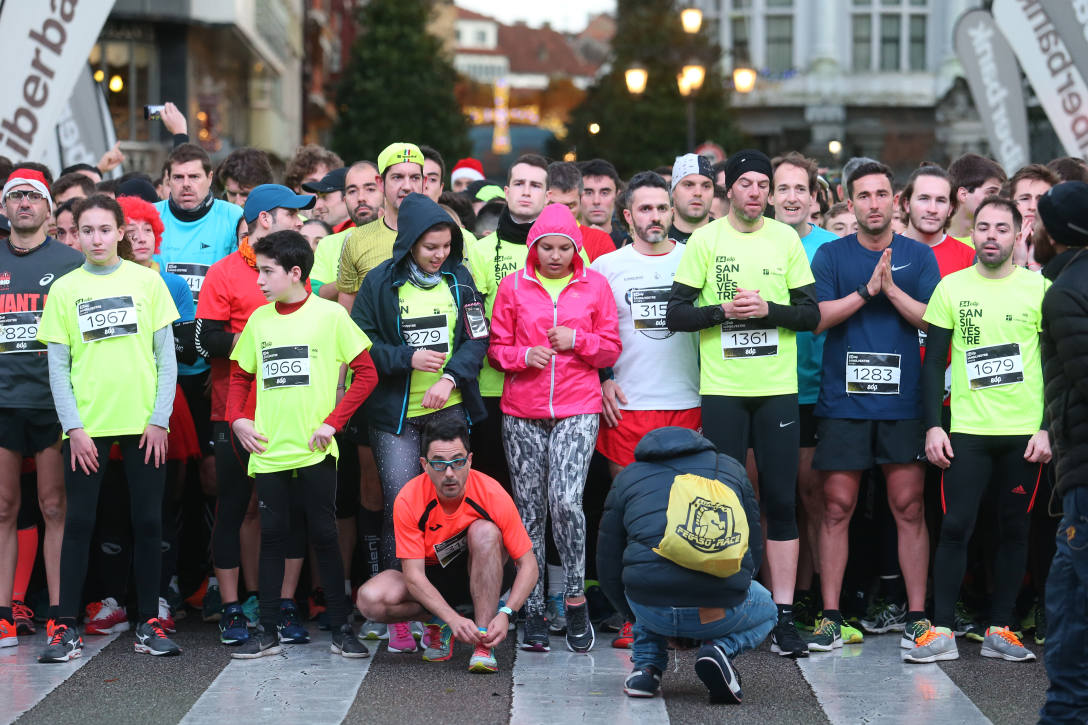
567 15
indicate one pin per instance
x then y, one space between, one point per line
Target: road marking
561 686
28 681
307 683
870 683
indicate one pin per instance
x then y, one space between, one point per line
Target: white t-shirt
657 369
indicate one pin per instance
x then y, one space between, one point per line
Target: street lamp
692 19
744 79
636 77
594 128
688 82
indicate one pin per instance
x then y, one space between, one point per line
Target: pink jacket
523 314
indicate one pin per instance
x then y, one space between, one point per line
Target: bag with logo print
706 527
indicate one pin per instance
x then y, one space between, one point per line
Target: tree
651 130
398 86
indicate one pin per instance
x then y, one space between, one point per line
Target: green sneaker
826 637
851 635
913 631
439 641
804 611
975 632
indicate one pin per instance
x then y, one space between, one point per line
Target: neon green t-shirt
327 259
108 322
966 240
745 358
296 358
997 376
428 320
554 286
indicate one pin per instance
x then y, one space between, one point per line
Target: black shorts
200 406
807 414
452 581
28 430
347 477
858 445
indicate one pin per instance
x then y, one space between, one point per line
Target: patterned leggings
549 460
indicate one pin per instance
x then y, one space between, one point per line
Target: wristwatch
507 611
863 290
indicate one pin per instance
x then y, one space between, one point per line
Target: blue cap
267 197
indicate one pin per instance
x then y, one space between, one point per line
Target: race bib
285 367
19 332
193 274
873 373
748 338
106 318
648 308
448 550
994 365
426 333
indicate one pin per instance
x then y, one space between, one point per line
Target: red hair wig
138 210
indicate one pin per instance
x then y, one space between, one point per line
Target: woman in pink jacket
553 326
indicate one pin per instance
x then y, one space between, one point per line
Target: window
889 35
741 52
863 43
481 37
779 43
128 70
917 42
889 42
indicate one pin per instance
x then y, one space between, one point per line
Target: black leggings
145 489
771 426
311 490
235 489
993 466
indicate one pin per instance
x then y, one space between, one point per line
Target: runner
106 317
444 512
363 198
30 263
231 295
331 206
751 280
425 318
296 345
873 287
692 192
973 178
1025 188
990 315
554 325
640 275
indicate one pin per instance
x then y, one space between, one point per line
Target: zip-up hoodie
524 312
377 313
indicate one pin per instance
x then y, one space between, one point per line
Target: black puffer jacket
634 522
1065 365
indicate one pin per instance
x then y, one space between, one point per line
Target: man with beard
990 316
362 199
400 169
692 193
873 288
744 284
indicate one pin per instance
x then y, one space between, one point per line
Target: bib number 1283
872 373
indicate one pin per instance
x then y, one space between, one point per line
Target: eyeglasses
20 195
457 464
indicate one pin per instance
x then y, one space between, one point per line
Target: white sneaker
105 617
374 630
417 630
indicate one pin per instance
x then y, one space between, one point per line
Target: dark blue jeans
1067 616
744 627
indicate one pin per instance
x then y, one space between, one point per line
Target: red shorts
618 444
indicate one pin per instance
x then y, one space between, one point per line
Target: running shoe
1040 624
400 638
418 630
251 607
716 672
64 644
289 627
373 630
851 634
8 633
24 617
975 632
316 603
151 639
826 637
555 611
346 644
483 660
535 634
580 635
612 623
105 617
643 683
786 640
166 616
259 644
884 617
935 645
233 628
912 631
439 643
1002 643
211 608
804 611
1027 622
963 619
173 598
624 639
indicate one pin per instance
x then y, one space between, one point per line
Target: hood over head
671 442
418 214
555 219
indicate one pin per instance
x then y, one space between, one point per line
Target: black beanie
744 161
1064 211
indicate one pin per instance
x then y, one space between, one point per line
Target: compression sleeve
938 341
212 338
682 315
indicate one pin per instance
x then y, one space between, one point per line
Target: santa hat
470 169
28 177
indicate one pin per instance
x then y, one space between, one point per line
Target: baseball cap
399 153
267 197
332 181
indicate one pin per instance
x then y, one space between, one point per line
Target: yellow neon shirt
428 321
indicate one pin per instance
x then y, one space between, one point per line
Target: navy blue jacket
377 313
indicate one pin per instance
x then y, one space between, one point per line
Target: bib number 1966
285 367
